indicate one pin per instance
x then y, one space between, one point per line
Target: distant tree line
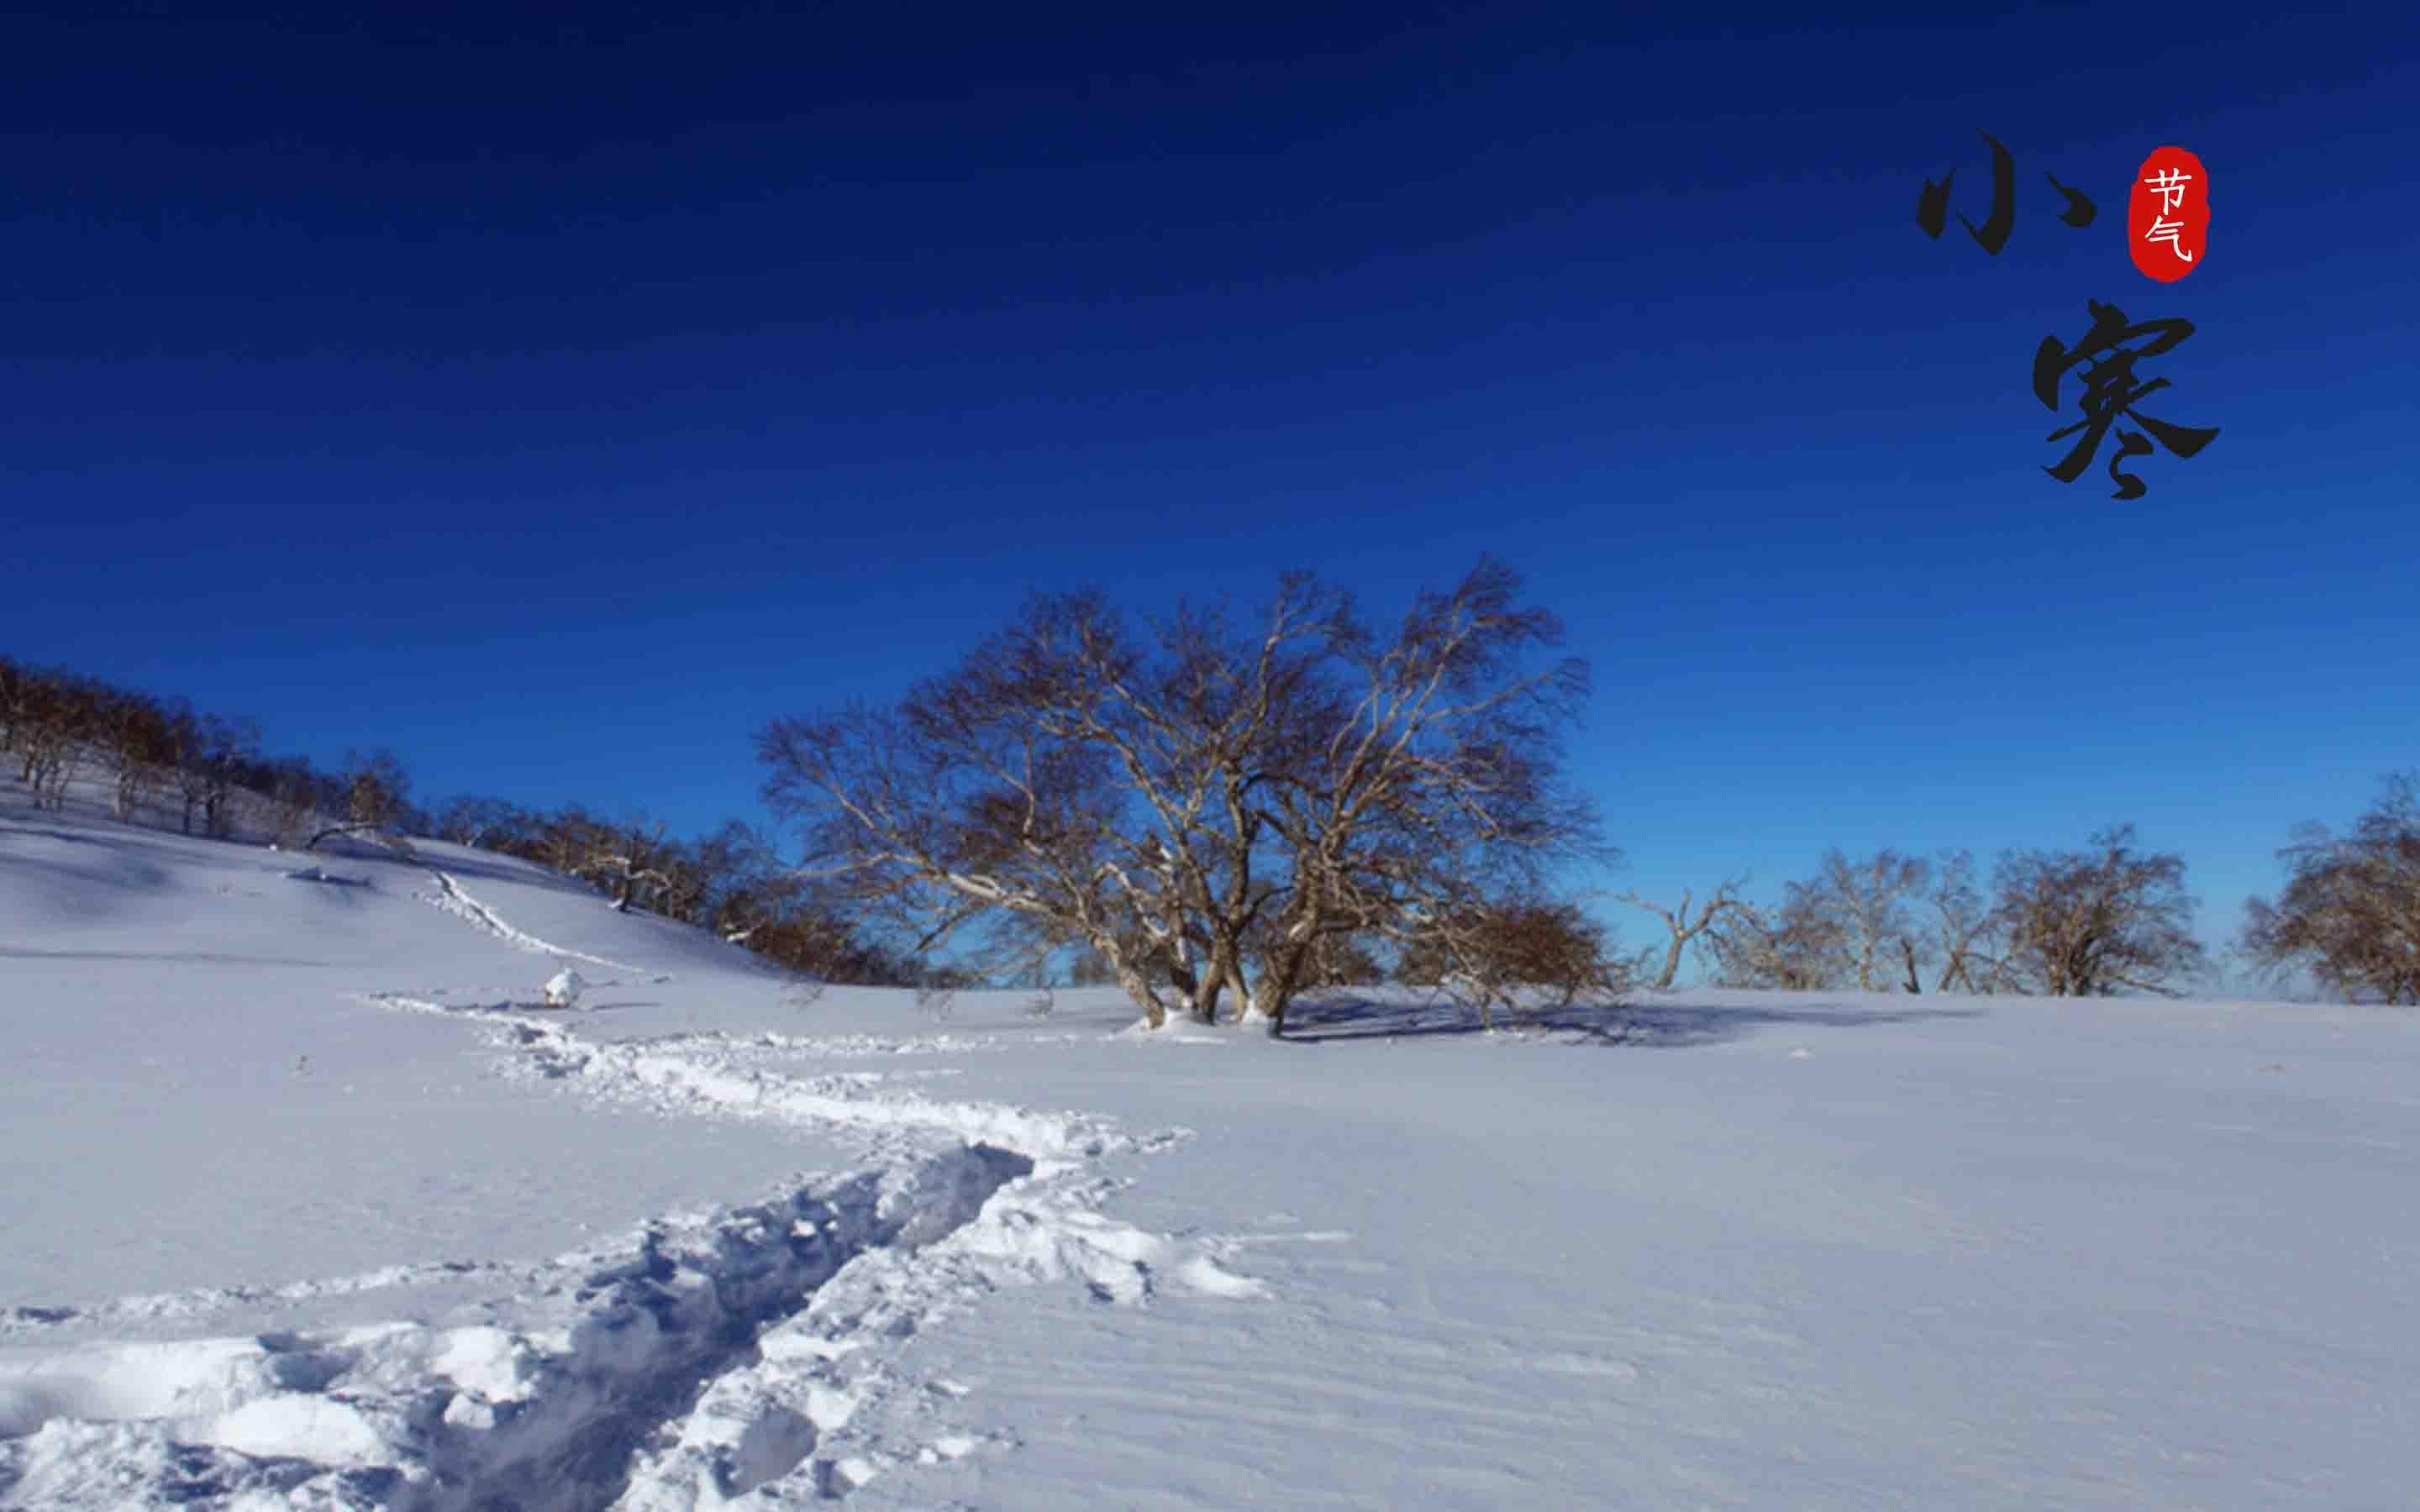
2106 918
2084 924
205 774
156 755
1198 810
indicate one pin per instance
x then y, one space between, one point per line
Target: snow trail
450 897
546 1415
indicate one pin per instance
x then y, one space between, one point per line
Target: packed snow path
704 1358
450 898
607 1352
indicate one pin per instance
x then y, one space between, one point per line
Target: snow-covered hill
306 1198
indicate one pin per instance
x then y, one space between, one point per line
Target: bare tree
631 860
564 840
1493 957
1205 808
375 788
50 750
1683 928
2086 923
741 877
699 876
2350 910
296 794
189 761
1864 914
1796 948
1966 930
812 939
54 717
1429 786
953 805
16 690
481 822
371 798
135 743
30 701
228 748
1343 961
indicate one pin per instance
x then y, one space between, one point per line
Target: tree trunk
1235 966
1138 988
1187 986
1672 964
1221 973
1206 989
1279 980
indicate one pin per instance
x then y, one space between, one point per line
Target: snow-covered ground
308 1198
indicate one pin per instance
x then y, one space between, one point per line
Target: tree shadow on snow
206 957
1649 1024
134 863
315 874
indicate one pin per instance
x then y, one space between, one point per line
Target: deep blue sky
553 396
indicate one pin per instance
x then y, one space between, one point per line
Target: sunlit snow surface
308 1198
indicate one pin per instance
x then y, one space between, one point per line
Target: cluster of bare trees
2083 923
2350 914
1549 952
56 723
164 762
159 755
1201 810
2102 920
1211 809
731 882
